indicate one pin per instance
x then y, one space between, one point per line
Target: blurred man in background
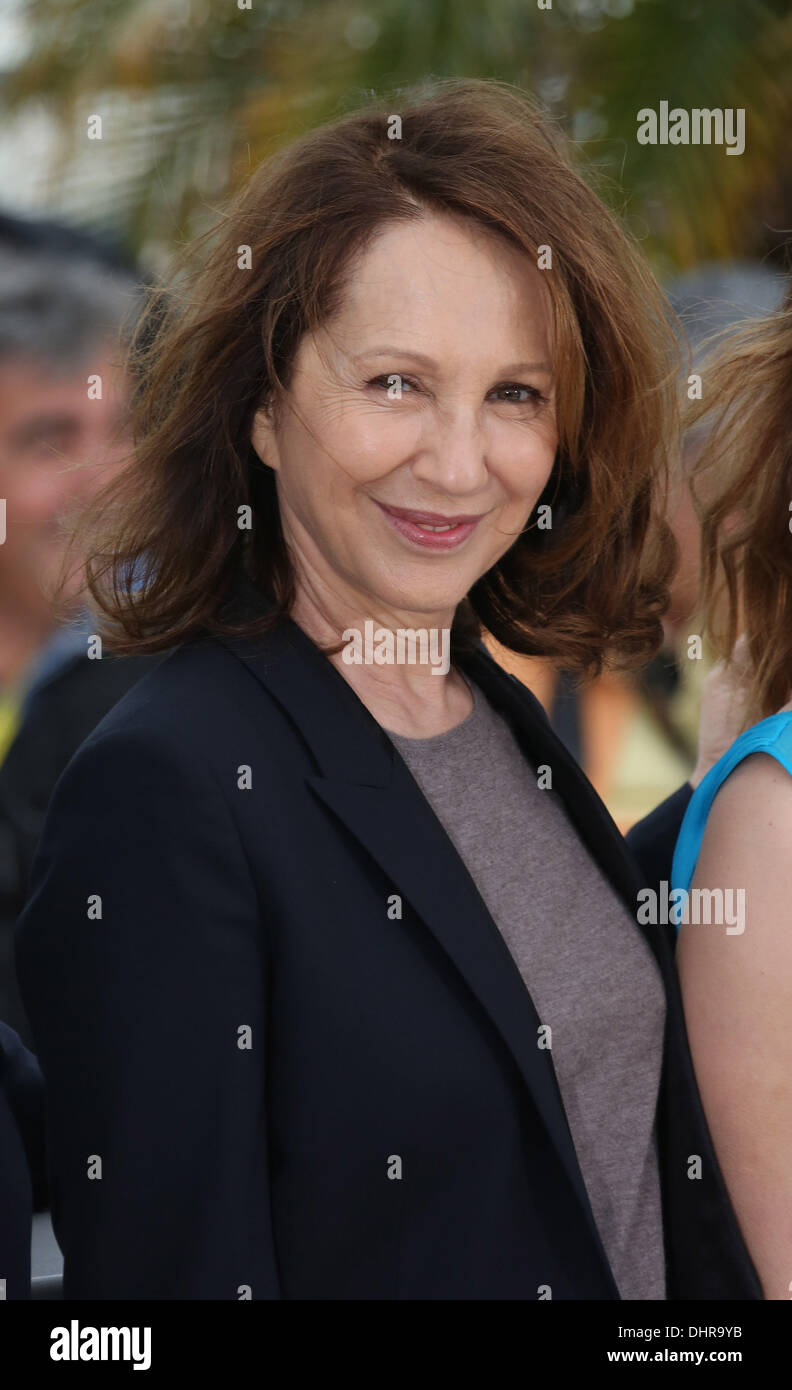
67 306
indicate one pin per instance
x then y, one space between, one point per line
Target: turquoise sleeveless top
773 736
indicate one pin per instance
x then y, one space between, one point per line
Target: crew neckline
432 740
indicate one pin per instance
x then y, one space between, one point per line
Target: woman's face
428 401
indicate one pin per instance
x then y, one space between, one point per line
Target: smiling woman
352 257
348 951
375 484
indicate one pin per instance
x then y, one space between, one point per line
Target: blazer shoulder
188 699
153 782
181 733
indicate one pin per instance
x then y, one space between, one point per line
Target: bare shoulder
745 856
755 798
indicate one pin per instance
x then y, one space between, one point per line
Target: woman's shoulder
180 728
751 782
771 737
773 734
190 693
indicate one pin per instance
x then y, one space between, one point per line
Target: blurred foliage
193 93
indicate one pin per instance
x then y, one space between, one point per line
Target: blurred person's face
57 445
366 475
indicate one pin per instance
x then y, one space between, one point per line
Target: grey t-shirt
589 971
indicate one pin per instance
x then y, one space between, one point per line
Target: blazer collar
345 740
349 745
362 779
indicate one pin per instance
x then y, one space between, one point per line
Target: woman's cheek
524 472
379 443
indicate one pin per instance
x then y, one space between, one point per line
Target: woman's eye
393 383
510 393
513 393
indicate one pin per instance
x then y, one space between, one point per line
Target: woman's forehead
421 282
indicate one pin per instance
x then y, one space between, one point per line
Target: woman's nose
452 452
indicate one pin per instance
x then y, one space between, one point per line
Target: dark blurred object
59 714
653 841
44 236
23 1188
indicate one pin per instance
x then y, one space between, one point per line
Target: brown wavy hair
742 487
162 543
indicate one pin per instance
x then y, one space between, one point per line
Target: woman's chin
423 606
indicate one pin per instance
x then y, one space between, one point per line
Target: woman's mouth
430 530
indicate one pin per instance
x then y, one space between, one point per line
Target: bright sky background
25 140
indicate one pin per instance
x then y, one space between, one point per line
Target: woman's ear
264 439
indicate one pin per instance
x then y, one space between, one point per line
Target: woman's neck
398 664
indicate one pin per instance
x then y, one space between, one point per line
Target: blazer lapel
399 829
364 782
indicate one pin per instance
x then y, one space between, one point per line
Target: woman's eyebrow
429 362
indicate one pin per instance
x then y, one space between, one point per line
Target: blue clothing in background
773 736
66 642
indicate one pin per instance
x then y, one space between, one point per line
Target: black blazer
292 1091
59 714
